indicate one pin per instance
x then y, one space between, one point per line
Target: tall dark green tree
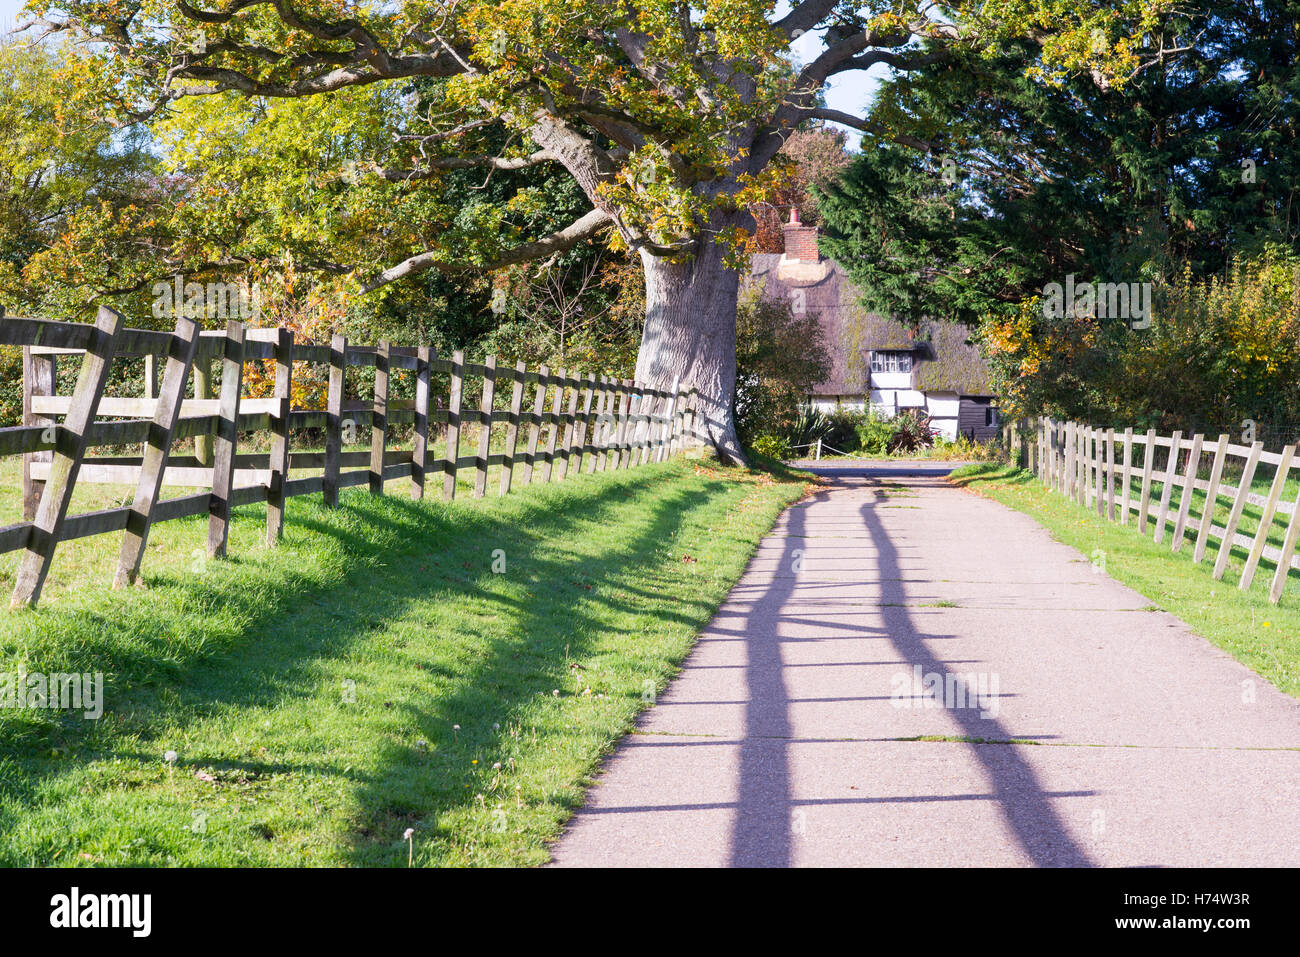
980 182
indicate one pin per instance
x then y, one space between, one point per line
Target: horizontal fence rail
1153 481
590 421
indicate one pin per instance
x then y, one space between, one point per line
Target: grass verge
1264 637
458 669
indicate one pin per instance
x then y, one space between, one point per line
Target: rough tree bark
690 334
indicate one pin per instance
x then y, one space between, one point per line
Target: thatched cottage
935 370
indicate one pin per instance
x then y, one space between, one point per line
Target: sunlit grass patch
455 669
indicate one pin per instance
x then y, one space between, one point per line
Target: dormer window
891 361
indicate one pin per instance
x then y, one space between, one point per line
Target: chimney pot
800 240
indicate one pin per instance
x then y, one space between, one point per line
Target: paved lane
1067 724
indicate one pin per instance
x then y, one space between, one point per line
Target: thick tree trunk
690 333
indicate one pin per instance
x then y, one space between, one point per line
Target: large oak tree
667 114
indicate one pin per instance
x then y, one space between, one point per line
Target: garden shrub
842 434
875 433
809 426
772 446
966 449
911 433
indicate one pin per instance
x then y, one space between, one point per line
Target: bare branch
566 238
437 163
837 116
908 60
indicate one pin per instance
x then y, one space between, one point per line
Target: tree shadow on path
762 831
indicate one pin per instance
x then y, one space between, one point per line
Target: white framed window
891 361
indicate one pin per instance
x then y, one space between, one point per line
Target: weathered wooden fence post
1266 519
535 423
1063 458
689 439
1238 505
595 444
180 359
512 427
70 448
570 427
40 378
1189 489
561 382
612 419
650 402
1094 449
1097 456
627 409
1126 476
1044 453
1081 464
633 426
1148 468
485 426
203 390
1288 552
379 417
1211 499
613 416
1049 453
1080 495
452 451
653 428
582 435
1106 473
275 498
227 438
679 416
669 427
1067 452
1167 488
420 440
334 420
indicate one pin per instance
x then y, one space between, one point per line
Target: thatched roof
946 359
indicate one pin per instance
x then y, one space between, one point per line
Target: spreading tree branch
566 238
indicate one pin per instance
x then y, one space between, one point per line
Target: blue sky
9 11
849 92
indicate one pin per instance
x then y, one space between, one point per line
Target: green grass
1262 636
241 666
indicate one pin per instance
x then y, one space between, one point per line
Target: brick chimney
800 240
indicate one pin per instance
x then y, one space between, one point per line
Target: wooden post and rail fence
606 423
1116 473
